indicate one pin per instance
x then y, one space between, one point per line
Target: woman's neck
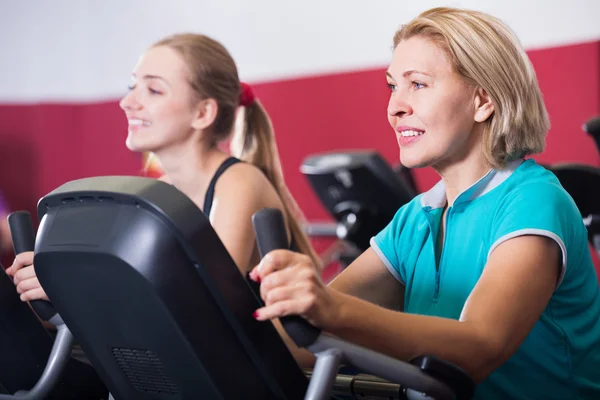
460 176
190 166
463 170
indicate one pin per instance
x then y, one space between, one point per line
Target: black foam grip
592 126
23 238
269 228
21 230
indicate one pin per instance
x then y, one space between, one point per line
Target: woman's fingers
28 284
278 278
25 278
300 294
295 306
276 260
24 274
298 275
290 285
21 260
35 294
283 293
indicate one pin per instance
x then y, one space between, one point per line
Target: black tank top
210 192
208 200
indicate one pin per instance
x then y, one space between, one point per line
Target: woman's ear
484 107
206 113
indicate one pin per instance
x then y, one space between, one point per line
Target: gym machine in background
361 191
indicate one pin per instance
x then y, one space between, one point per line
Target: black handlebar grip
21 230
23 238
269 228
592 126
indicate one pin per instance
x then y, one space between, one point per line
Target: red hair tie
246 95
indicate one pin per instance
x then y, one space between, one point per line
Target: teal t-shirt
560 358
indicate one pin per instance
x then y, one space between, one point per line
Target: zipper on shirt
434 235
439 265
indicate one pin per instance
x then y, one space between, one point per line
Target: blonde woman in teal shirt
490 269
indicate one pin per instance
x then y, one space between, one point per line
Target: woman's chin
135 146
414 162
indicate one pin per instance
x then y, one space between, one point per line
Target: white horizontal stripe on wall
74 50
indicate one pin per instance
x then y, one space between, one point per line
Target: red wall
45 145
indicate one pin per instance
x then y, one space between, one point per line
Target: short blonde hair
487 54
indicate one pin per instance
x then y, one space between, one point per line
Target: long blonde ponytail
255 144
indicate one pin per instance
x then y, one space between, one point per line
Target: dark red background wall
45 145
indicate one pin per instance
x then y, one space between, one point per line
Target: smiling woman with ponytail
183 101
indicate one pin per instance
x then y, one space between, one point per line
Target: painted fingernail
266 258
258 280
255 314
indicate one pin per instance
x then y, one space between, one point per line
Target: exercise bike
143 283
360 191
